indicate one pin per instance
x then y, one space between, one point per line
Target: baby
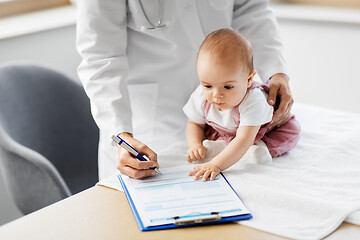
228 105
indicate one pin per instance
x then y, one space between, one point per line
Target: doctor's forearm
104 67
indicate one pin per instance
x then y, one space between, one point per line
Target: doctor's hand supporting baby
229 106
279 87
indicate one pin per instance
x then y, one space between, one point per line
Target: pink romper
278 140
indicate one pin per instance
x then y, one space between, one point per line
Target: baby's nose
217 93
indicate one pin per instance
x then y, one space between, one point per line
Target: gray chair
48 140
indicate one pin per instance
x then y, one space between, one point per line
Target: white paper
160 198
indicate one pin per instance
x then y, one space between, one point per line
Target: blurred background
321 45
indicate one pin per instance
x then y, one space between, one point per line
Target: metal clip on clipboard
187 220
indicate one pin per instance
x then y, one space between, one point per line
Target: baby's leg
282 139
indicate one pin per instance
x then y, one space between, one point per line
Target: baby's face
224 86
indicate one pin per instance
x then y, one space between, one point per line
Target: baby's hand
196 152
206 170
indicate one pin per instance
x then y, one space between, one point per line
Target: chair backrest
48 112
33 182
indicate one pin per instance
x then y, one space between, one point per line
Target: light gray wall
55 48
323 61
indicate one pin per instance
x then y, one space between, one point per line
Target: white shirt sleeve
193 108
101 42
256 21
254 109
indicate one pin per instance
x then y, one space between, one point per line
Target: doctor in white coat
139 68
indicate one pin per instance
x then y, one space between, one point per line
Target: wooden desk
103 213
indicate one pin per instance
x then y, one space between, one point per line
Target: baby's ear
251 77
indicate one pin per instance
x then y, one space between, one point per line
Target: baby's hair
228 47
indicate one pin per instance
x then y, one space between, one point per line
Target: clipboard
188 219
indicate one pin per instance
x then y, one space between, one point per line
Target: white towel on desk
306 193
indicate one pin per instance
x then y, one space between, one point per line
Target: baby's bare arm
236 149
230 155
194 133
194 139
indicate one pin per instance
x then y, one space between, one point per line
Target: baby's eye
228 87
207 86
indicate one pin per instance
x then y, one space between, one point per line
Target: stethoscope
159 23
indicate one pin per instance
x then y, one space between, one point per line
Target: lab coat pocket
143 99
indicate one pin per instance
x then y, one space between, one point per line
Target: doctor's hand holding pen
129 165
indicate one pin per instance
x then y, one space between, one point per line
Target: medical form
174 197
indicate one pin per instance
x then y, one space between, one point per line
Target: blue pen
131 150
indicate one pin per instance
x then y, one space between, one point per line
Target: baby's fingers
199 174
206 175
196 155
188 157
202 152
191 156
193 172
212 177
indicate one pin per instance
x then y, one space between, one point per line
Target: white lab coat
138 81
